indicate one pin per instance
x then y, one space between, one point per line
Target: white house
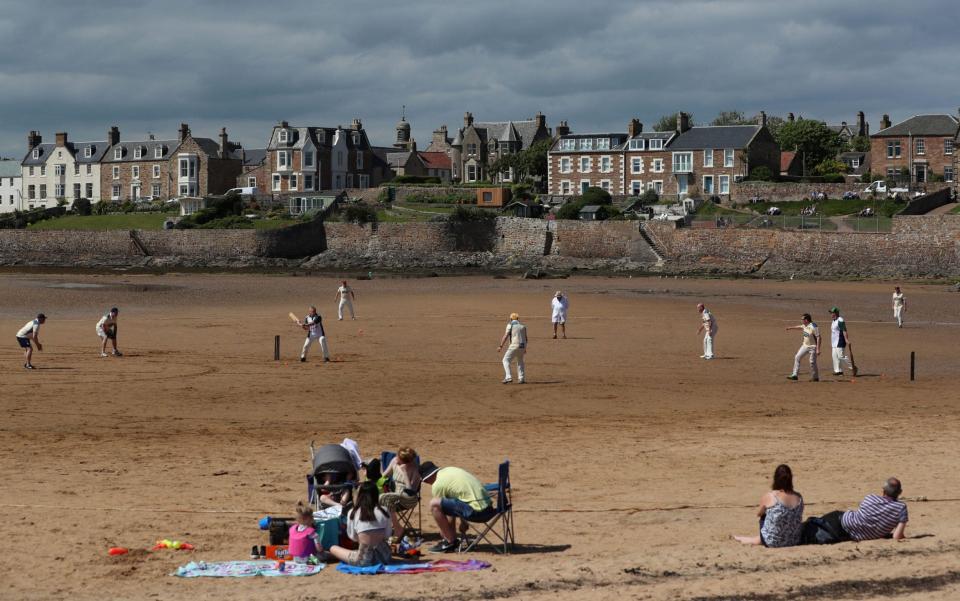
10 199
63 170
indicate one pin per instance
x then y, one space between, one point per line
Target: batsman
313 325
840 341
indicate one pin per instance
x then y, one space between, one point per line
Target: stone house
477 145
576 162
10 186
923 145
437 164
203 166
253 169
62 170
645 159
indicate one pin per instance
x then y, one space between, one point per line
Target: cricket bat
853 361
294 318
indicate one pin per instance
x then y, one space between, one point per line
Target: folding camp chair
501 524
404 516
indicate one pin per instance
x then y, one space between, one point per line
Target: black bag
825 530
279 532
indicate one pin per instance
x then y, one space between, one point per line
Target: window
728 157
284 136
682 162
31 171
43 169
636 186
36 153
188 168
89 169
948 173
893 149
565 187
948 146
636 144
471 149
605 184
584 164
76 191
276 182
138 152
892 172
359 160
349 180
58 169
606 166
31 191
636 165
656 186
283 159
156 190
586 144
682 185
584 184
854 163
708 158
568 144
89 191
116 172
293 182
156 171
135 171
308 158
724 184
565 165
115 194
921 146
708 184
308 182
356 138
603 143
364 180
657 165
87 152
656 144
158 152
251 182
118 152
76 168
471 173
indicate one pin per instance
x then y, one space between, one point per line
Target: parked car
866 212
242 191
880 188
851 195
773 211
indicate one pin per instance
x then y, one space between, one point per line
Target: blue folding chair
500 526
405 516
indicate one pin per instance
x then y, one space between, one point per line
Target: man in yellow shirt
809 346
456 494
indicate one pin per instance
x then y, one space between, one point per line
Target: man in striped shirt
878 516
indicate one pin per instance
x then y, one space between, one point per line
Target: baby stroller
333 477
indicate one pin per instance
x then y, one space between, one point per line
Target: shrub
416 179
596 196
103 207
217 208
471 214
866 178
571 209
233 222
762 174
834 178
81 206
649 197
360 213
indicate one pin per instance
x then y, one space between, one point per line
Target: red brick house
923 145
576 162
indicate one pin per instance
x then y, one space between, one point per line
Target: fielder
810 346
346 297
26 334
899 304
517 334
107 330
839 341
708 325
559 304
313 325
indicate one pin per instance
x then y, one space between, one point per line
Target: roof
852 155
97 150
786 159
647 135
922 125
254 156
840 128
590 209
149 148
435 160
507 131
9 168
715 136
397 158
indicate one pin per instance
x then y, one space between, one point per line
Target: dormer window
88 152
138 152
284 136
356 139
118 153
656 144
158 152
636 144
36 153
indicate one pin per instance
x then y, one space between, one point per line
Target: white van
242 191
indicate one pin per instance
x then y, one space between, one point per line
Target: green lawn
832 207
132 221
956 210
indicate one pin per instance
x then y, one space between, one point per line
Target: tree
811 139
529 163
596 196
859 144
669 122
762 174
732 118
830 167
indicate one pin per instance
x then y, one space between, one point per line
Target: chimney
440 135
562 129
467 119
34 139
763 118
113 136
413 146
284 124
861 124
790 117
541 119
683 122
885 122
184 131
61 138
357 125
224 143
634 128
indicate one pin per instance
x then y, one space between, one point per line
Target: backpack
826 530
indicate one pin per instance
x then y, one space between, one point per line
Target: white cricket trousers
839 356
345 302
323 346
898 315
807 350
708 345
508 356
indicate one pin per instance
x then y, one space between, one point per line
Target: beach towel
243 569
443 565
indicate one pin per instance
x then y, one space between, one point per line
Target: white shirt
560 306
32 326
315 324
518 335
344 292
105 322
709 323
381 521
898 299
836 326
811 333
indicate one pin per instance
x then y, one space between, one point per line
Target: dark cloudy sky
147 66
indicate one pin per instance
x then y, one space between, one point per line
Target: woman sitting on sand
368 525
406 485
780 512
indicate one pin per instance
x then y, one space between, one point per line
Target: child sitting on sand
368 525
304 541
406 485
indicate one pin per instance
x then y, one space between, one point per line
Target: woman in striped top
780 513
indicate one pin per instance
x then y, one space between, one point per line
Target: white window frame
854 163
605 185
359 159
921 146
118 152
586 164
276 182
636 164
87 152
603 143
657 186
116 172
156 190
59 169
948 146
138 152
566 165
682 162
283 159
636 187
728 157
364 180
59 190
583 188
683 184
565 186
655 144
115 192
283 136
88 190
252 181
156 171
184 189
158 152
135 171
609 161
89 169
586 144
292 181
948 176
308 181
76 168
658 165
43 169
637 144
723 186
708 157
36 153
712 189
568 144
308 158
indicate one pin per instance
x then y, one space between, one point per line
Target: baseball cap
835 310
41 316
427 469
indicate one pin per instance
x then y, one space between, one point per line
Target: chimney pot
34 139
541 119
683 122
61 138
184 131
113 136
763 118
467 119
790 117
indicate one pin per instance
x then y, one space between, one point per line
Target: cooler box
328 531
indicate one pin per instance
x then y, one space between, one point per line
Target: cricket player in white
517 335
313 324
839 341
708 325
559 306
345 296
810 346
107 330
26 334
899 304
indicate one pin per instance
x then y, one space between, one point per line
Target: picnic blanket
442 565
243 569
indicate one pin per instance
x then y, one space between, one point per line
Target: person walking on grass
345 297
840 343
516 333
809 346
30 333
708 325
313 324
107 330
899 304
559 306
